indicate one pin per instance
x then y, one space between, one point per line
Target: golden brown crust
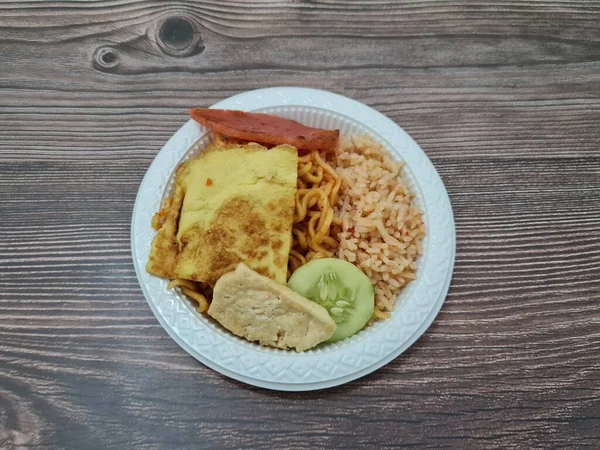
244 228
163 257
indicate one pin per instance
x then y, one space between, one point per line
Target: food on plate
259 309
315 224
265 128
231 204
271 201
192 290
383 227
341 288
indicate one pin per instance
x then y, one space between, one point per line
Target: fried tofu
232 204
258 309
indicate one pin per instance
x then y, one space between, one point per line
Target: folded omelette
232 204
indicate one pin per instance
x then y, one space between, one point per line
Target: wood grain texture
503 95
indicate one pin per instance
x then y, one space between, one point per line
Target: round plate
327 365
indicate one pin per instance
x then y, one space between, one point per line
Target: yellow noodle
324 166
194 291
329 186
304 169
333 195
179 282
324 225
331 242
316 179
315 225
301 259
311 225
300 238
201 299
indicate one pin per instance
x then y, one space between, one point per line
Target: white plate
329 365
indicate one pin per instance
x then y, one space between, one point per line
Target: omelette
233 204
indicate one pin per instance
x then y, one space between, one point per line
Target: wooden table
503 96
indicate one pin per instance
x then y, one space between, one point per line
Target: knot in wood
179 36
106 57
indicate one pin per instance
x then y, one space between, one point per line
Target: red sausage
265 129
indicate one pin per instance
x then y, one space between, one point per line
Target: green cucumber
340 287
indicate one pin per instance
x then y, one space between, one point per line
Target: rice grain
382 228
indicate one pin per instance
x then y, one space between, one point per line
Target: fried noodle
314 234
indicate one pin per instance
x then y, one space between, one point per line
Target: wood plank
504 96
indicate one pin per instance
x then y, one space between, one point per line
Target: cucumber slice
341 288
